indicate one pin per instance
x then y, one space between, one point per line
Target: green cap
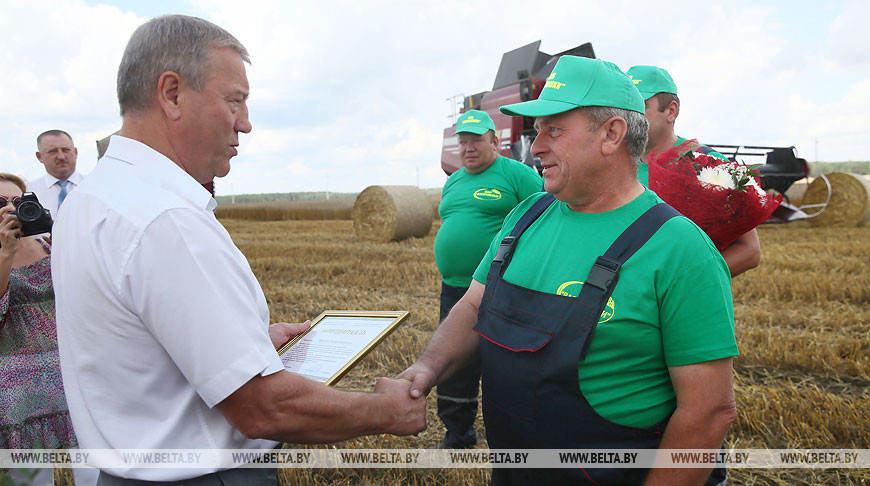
474 121
651 80
580 81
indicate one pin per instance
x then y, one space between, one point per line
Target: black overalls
532 344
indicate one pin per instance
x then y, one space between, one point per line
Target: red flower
724 214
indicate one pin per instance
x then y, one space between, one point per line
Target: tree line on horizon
816 168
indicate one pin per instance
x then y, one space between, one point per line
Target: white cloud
355 91
61 60
849 37
840 126
415 143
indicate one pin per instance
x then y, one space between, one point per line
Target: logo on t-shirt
487 194
572 289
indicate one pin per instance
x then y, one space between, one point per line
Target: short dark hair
52 132
665 99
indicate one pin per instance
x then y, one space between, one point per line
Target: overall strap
506 248
604 274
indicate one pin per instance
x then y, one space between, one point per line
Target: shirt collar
142 156
75 178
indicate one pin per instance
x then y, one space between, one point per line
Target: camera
34 218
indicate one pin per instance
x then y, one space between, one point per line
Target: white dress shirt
159 316
47 190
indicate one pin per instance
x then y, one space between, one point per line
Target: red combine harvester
521 77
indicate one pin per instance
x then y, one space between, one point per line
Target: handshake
407 394
304 411
408 412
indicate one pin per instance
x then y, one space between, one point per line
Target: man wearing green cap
474 203
662 106
602 317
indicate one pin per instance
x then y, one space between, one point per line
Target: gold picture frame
336 341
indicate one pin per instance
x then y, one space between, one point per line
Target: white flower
717 177
755 186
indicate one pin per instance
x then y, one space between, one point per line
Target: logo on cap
470 119
636 81
553 84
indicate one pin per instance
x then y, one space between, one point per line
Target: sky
348 94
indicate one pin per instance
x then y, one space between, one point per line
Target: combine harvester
521 77
781 168
835 199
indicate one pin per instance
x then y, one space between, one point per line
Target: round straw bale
795 193
850 200
392 213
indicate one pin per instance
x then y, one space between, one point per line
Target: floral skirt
53 431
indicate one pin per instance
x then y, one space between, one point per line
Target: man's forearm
691 429
289 408
744 254
454 343
314 413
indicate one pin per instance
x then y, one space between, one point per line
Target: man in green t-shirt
648 367
662 107
474 203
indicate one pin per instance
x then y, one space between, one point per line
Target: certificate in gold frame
374 326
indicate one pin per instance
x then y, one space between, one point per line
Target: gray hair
175 43
638 127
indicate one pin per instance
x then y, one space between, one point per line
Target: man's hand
281 332
422 379
409 414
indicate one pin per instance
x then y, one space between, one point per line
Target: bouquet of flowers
724 198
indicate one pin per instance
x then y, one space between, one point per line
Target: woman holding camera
33 409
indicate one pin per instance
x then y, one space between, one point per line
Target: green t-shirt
643 173
472 210
671 307
643 168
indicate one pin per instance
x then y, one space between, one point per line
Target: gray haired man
164 332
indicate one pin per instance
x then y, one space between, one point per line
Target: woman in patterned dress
33 409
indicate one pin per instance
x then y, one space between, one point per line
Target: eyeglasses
4 201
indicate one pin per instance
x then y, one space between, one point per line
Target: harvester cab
521 77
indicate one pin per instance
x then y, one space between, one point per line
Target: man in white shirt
163 329
57 152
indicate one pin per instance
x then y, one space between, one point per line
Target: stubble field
802 321
802 379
